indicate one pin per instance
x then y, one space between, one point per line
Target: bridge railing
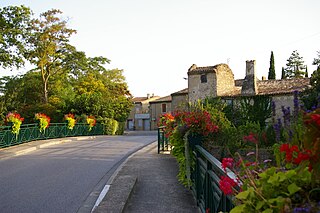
205 179
163 142
31 132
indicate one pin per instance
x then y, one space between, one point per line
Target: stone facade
209 81
157 108
139 117
179 100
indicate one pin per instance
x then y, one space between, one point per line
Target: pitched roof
181 92
270 87
141 99
274 87
162 99
138 99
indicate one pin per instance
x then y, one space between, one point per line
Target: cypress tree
272 71
306 75
283 74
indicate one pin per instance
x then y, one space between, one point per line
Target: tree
306 73
316 61
48 45
295 66
14 21
272 71
283 73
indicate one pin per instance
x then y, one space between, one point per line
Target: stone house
139 117
218 81
158 107
179 100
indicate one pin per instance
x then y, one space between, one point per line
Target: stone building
210 81
179 100
218 81
159 107
139 118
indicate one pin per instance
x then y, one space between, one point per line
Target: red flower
226 163
316 118
284 147
251 138
226 184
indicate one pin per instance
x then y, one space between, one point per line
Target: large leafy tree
272 71
48 45
14 21
295 67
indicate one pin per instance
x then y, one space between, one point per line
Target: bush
110 126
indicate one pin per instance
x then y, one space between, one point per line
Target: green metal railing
163 142
205 179
30 132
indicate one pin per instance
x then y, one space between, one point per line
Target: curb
121 188
31 146
118 195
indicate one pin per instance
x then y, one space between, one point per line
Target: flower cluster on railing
15 120
71 120
91 121
44 121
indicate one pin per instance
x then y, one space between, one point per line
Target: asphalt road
65 177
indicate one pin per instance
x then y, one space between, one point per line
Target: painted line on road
101 196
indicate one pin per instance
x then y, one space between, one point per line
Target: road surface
65 177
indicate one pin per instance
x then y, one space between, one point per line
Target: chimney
249 86
148 96
264 78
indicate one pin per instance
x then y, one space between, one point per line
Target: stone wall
225 80
198 90
179 102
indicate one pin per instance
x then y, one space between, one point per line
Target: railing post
158 140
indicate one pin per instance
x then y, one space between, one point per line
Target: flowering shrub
197 122
294 186
167 121
16 121
71 120
44 121
91 121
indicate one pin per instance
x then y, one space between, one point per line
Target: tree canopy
63 79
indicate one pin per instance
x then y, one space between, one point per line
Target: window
203 78
164 108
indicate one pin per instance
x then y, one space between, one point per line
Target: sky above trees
155 42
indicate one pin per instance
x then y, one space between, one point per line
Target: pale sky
156 41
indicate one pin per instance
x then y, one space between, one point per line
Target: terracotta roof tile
283 86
